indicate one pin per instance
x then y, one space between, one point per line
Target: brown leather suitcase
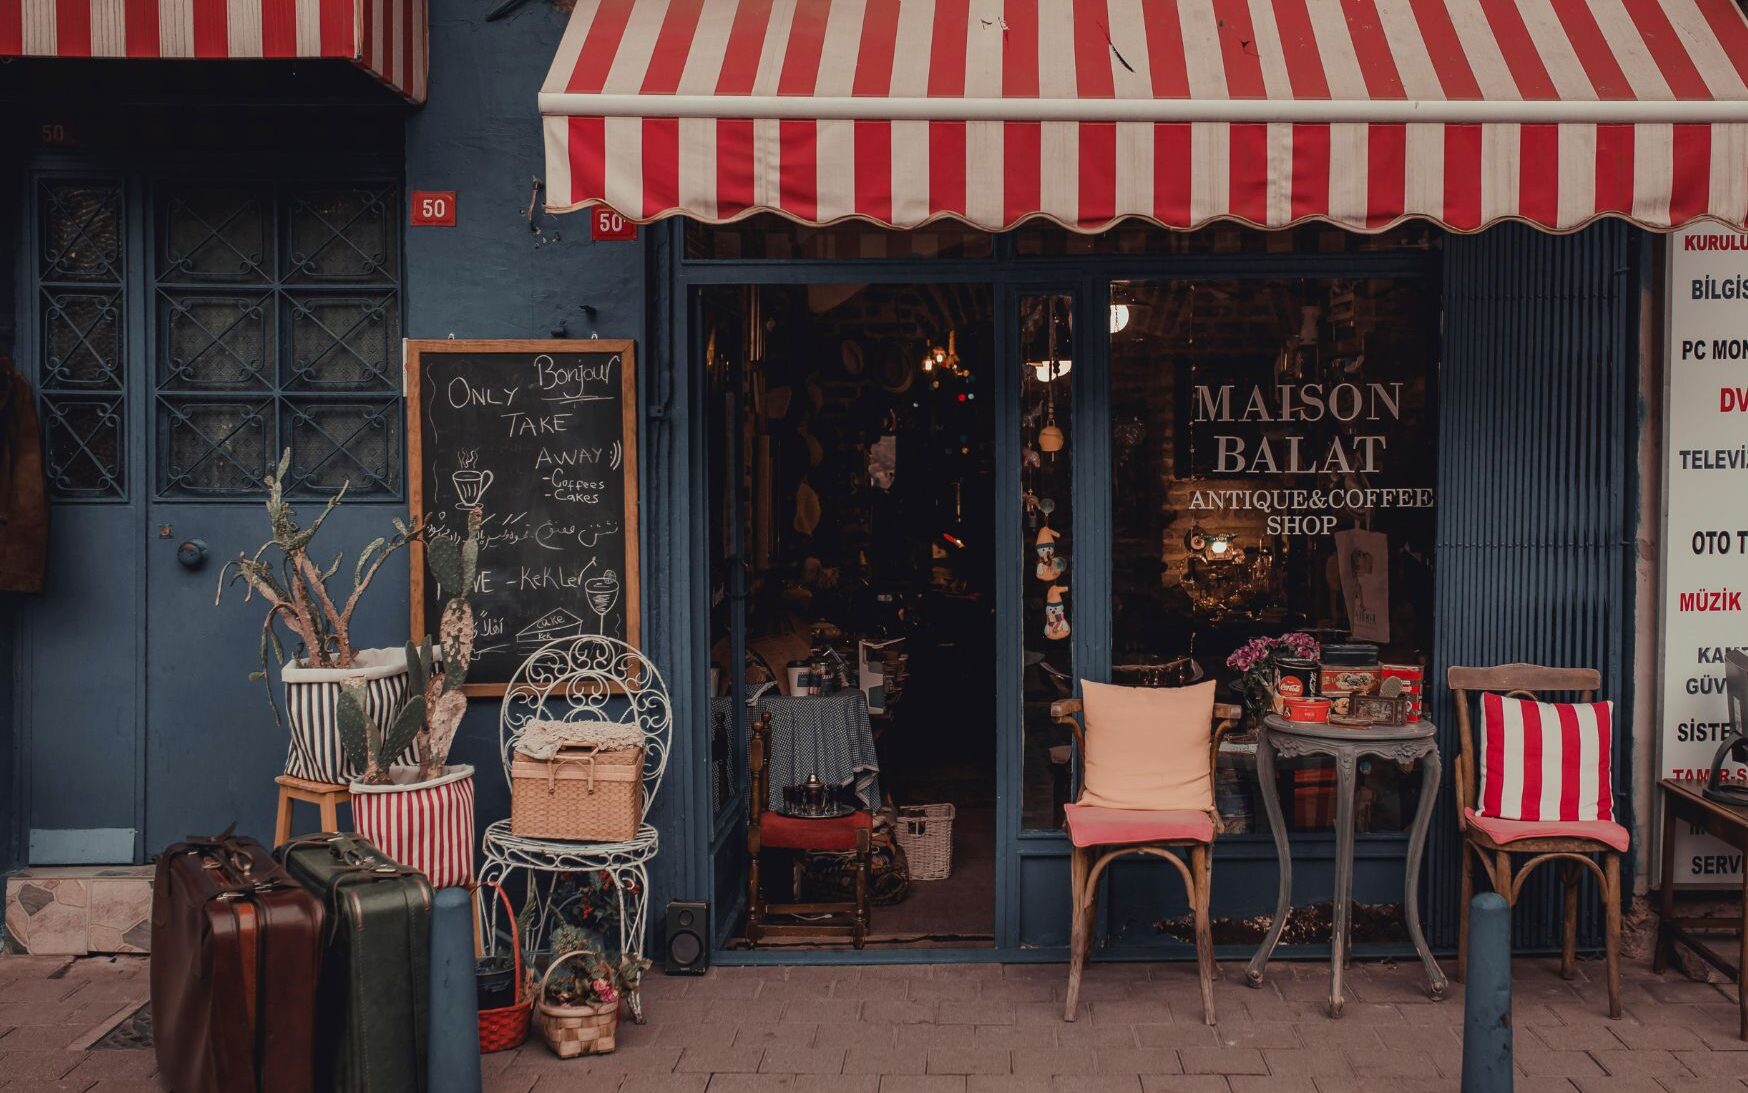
236 959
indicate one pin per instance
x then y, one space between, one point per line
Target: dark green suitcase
371 1021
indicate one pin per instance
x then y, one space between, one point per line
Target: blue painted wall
490 276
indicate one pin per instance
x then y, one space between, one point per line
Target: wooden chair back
1530 681
759 773
1736 689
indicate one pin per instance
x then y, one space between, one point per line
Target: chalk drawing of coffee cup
470 486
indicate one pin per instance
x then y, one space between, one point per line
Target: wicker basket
582 794
506 1027
926 834
571 1031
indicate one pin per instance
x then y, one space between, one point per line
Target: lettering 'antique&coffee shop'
952 352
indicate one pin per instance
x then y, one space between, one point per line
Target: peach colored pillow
1147 747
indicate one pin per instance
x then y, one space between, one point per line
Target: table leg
1271 799
1665 946
1430 766
1345 764
1742 966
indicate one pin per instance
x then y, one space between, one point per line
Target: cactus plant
435 674
295 586
373 746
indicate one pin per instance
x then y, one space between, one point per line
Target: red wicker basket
507 1026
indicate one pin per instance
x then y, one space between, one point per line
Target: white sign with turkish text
1705 526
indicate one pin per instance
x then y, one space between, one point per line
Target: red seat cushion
1504 832
781 832
1095 825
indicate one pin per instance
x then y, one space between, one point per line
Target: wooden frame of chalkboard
548 509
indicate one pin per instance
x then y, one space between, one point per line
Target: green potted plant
420 813
299 602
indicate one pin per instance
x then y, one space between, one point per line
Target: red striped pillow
1546 760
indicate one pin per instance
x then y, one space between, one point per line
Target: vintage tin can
1413 680
1296 678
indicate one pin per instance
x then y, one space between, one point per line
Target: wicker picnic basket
505 1027
585 793
926 834
571 1031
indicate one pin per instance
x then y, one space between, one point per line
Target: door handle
191 553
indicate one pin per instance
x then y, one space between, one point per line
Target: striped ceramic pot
315 752
426 826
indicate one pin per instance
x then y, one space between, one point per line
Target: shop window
1047 354
1045 239
278 326
1273 465
771 236
81 309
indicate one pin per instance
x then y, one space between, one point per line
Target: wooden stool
326 796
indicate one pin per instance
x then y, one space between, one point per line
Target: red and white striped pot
426 826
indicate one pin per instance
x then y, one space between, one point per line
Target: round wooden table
1406 744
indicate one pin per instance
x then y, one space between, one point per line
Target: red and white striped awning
1270 112
386 38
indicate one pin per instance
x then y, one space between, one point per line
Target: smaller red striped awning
1270 112
386 38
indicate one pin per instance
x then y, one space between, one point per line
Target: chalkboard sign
541 437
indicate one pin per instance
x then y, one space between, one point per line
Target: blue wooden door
183 331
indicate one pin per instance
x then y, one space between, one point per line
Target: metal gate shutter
1538 497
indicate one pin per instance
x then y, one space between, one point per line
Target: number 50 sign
605 224
432 208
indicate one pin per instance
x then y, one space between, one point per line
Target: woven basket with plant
579 996
504 1027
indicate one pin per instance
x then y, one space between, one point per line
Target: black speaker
686 950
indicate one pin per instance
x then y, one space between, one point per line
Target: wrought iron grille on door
278 326
273 322
81 304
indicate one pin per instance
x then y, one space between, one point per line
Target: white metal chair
590 678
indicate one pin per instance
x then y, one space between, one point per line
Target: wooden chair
326 796
1493 841
1102 835
768 830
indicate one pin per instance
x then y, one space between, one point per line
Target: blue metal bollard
453 1051
1487 1000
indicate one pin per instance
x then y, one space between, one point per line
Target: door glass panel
217 234
82 336
215 343
1273 464
309 327
80 228
1047 352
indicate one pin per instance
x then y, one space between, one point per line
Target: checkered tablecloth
827 735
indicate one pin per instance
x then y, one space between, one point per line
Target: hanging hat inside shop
806 509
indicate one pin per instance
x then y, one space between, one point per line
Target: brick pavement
998 1029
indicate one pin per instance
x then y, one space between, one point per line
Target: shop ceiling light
1119 317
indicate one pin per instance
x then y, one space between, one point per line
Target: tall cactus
454 565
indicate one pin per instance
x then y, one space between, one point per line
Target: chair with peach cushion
1147 788
1492 841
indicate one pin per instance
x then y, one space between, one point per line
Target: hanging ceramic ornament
1050 564
1055 613
1050 438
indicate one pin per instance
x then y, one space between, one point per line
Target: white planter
310 697
426 826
